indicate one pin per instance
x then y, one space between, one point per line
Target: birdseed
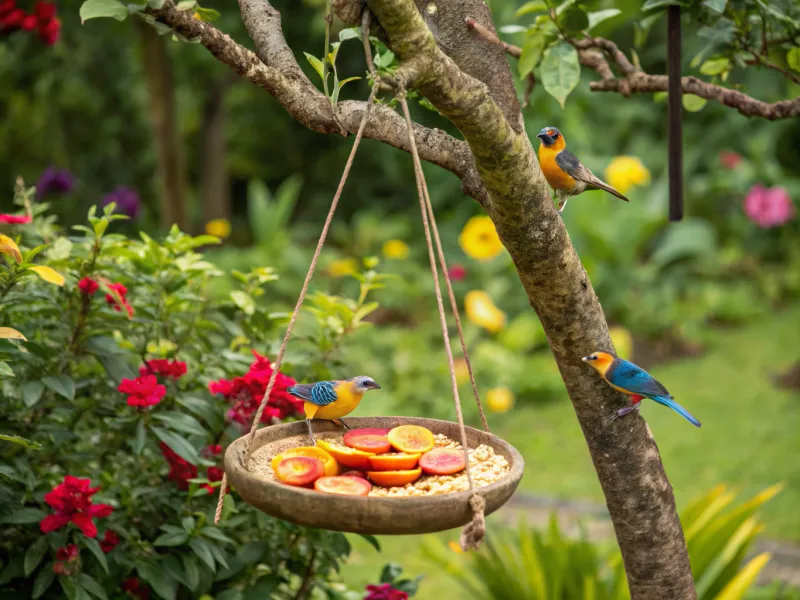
485 464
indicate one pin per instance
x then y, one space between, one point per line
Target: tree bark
161 91
512 189
215 195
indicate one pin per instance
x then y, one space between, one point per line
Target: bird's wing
323 393
301 390
629 377
572 165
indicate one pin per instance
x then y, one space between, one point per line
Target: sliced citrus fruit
348 457
354 473
299 470
394 461
331 467
443 461
394 478
345 486
368 440
411 439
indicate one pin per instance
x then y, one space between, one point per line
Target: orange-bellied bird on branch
565 173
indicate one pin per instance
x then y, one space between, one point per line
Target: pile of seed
485 465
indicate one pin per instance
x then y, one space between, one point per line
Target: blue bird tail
667 401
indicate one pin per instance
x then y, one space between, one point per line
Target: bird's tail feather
667 401
598 183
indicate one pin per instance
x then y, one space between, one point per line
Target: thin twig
765 62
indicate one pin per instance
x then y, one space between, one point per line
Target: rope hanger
474 531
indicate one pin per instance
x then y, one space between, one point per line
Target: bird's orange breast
555 175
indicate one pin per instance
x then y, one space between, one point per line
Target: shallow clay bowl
359 514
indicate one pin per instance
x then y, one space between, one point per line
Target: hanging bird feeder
376 514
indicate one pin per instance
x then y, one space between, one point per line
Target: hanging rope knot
474 532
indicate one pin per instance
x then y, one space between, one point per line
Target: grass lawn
750 439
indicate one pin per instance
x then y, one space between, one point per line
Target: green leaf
718 6
34 555
314 62
715 66
184 5
61 385
215 534
181 422
207 15
163 585
179 445
390 572
24 516
372 540
574 20
685 239
349 34
173 538
531 7
92 586
348 80
93 9
191 572
201 549
599 16
5 370
140 439
202 408
560 71
531 53
793 59
31 392
20 441
651 4
244 301
693 103
95 549
43 581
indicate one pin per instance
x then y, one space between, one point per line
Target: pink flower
88 286
768 207
15 219
142 391
109 541
384 592
72 502
457 272
730 160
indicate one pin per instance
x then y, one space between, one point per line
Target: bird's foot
311 433
623 411
562 206
343 424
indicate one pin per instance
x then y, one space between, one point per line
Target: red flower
730 160
167 368
44 11
247 391
109 541
65 560
12 21
180 471
6 6
457 272
213 474
142 391
49 31
384 592
28 23
88 286
122 292
72 501
134 587
4 218
213 450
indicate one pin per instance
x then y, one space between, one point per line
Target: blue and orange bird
626 377
332 400
565 173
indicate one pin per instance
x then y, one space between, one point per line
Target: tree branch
276 70
638 494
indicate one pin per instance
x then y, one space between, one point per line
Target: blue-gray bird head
362 383
548 135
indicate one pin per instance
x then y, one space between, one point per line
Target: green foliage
531 565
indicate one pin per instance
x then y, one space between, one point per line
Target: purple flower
768 207
54 181
126 199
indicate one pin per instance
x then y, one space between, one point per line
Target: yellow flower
481 310
479 239
624 172
342 267
455 547
462 373
220 228
395 250
623 341
500 399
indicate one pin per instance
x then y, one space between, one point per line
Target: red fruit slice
359 474
348 457
368 440
343 485
411 439
299 470
395 461
443 461
394 478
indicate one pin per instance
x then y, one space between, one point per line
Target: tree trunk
214 180
161 91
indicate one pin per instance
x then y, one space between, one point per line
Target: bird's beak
375 385
585 359
541 135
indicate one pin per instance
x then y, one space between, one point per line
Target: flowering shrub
42 19
129 383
